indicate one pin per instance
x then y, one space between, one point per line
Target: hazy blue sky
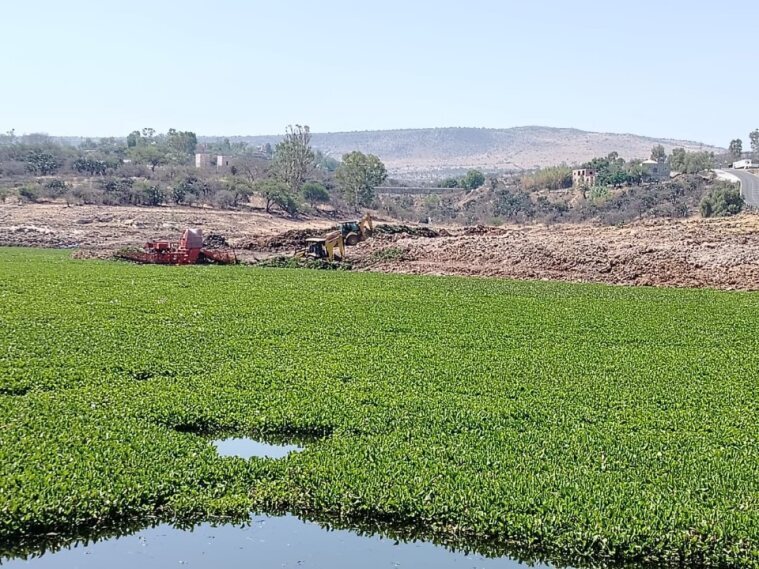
679 68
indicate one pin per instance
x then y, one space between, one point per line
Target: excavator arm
331 243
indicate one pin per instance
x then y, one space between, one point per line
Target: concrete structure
744 164
202 160
583 177
653 170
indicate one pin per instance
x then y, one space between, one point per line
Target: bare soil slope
721 253
685 253
109 228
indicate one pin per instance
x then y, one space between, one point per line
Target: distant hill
436 151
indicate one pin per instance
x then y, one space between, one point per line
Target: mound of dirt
89 254
410 231
215 241
686 253
290 240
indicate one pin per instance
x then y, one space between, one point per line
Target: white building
202 160
654 170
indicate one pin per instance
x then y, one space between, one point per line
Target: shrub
55 189
30 193
87 195
449 183
473 180
599 193
314 193
554 178
723 200
224 199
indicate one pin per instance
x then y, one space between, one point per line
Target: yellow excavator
324 247
355 231
347 233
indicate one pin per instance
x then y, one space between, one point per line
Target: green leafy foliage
314 193
276 193
602 423
358 175
553 178
690 162
723 200
473 180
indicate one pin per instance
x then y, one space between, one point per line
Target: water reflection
284 541
247 448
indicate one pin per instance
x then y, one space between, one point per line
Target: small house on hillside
583 177
204 161
653 170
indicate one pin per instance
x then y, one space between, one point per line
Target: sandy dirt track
721 253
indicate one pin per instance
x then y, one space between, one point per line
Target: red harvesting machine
189 251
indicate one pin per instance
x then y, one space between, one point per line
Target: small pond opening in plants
244 447
266 542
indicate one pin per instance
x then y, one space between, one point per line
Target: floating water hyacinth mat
580 421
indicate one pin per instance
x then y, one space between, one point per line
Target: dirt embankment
689 253
720 253
109 228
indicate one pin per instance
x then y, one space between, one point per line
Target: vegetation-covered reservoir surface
571 420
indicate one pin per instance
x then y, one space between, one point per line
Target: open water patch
244 447
266 542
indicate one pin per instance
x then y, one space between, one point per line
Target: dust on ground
717 253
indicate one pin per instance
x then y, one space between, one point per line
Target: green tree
658 153
152 154
182 142
754 137
678 159
314 193
276 192
473 180
690 162
133 139
358 175
723 200
736 148
294 158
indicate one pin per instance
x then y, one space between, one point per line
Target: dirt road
721 253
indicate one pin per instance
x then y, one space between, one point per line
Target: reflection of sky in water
266 543
246 448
